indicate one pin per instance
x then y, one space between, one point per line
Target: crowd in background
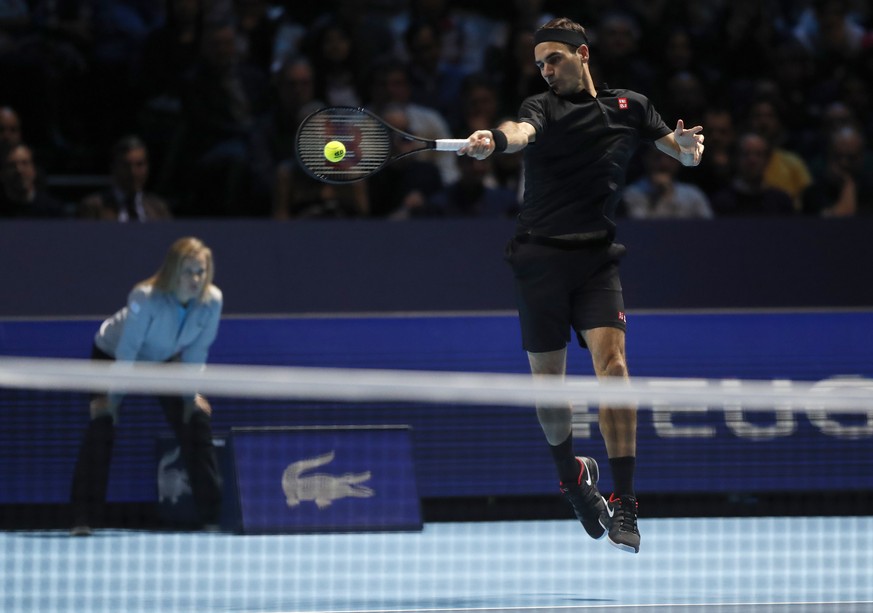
131 110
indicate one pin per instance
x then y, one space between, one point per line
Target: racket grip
450 144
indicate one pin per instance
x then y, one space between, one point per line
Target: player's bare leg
578 475
618 425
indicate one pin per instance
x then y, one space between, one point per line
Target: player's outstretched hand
480 145
690 143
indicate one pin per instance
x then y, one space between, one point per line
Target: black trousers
91 474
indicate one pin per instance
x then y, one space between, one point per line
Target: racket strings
368 144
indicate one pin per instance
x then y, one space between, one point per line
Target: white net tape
839 395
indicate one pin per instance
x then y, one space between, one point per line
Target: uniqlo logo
622 103
622 316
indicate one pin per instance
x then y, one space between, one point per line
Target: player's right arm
482 142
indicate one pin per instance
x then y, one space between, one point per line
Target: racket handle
450 144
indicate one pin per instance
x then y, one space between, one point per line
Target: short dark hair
565 23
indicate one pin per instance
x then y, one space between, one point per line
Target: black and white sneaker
587 503
623 533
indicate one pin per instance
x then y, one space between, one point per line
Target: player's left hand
690 143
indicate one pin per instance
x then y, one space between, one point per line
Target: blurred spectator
480 104
126 199
169 54
835 115
832 33
785 170
272 139
508 172
44 65
517 75
747 195
855 90
297 195
403 188
432 82
678 56
792 80
337 69
389 87
257 23
715 171
659 195
368 24
749 30
20 196
209 164
616 60
81 56
684 96
465 32
473 194
10 127
845 186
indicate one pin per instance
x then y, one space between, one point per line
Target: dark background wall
65 269
347 290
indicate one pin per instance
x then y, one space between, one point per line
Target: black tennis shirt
575 170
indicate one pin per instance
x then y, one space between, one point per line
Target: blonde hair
167 277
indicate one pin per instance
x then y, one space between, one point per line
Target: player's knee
614 365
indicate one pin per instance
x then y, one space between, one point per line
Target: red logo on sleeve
622 103
622 316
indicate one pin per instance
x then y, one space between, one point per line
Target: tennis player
578 139
170 317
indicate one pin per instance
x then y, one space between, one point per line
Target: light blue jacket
154 327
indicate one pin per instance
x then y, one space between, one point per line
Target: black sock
568 467
623 475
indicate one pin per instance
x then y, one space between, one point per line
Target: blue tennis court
749 565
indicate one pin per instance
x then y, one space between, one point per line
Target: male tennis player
578 141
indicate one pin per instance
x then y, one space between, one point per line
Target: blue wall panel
478 451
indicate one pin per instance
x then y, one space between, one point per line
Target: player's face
192 276
560 67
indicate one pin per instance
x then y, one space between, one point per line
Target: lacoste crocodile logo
322 488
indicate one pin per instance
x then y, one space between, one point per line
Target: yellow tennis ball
334 151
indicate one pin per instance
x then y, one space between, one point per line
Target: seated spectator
208 168
10 127
126 199
272 139
169 53
19 194
748 195
390 87
404 187
832 32
658 194
617 60
297 195
845 186
785 169
331 48
257 24
479 104
433 82
473 194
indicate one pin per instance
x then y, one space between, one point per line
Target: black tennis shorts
561 289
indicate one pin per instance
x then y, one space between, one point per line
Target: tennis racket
368 139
